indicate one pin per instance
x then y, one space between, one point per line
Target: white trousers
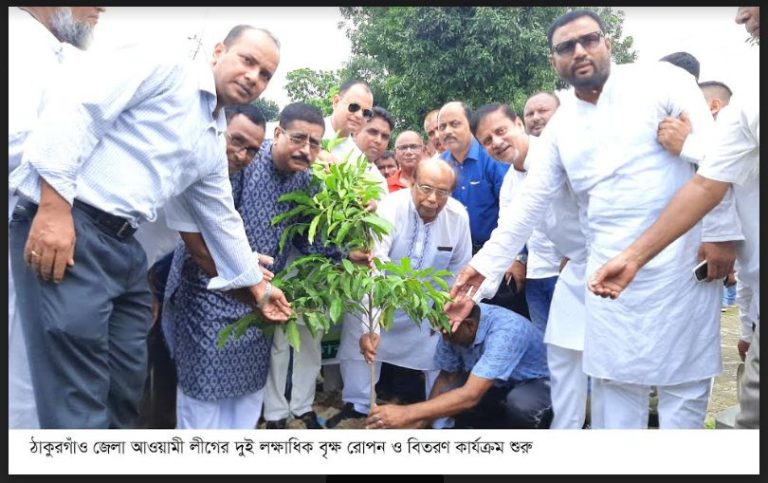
357 383
22 409
568 387
306 367
241 412
617 405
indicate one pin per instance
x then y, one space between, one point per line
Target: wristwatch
522 258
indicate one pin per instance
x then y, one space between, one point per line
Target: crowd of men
543 218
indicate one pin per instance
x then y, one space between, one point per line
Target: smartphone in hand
700 271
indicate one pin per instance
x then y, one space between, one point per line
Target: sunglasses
588 41
354 107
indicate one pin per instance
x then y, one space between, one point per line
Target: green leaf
348 266
335 310
312 229
292 334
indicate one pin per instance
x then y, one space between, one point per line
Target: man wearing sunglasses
734 162
352 108
603 143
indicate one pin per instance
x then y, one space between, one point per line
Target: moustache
303 159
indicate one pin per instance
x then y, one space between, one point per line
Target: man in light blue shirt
125 138
493 374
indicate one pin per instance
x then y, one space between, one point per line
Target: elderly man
501 132
434 146
609 154
734 159
35 59
493 375
538 110
431 229
96 173
409 150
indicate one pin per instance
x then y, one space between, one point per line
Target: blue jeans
538 294
729 295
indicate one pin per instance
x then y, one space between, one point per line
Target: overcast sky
310 36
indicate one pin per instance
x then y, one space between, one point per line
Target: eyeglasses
354 107
301 139
409 147
239 144
427 190
588 41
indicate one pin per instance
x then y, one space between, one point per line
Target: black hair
569 17
684 60
483 111
301 111
250 111
384 114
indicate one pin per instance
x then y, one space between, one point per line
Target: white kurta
735 158
443 244
543 257
664 329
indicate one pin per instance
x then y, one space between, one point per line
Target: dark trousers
526 405
86 336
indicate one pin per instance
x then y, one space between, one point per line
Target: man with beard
735 160
36 58
622 177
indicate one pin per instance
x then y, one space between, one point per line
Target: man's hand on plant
325 158
361 258
371 206
369 342
457 311
271 302
467 283
389 416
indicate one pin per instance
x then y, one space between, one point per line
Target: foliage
431 55
337 213
313 87
269 108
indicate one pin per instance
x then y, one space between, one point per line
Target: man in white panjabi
500 131
35 59
664 331
432 229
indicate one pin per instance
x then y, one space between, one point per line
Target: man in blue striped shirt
110 149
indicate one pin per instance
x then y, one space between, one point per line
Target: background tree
427 56
316 87
269 108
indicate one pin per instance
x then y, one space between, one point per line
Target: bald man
425 212
538 110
